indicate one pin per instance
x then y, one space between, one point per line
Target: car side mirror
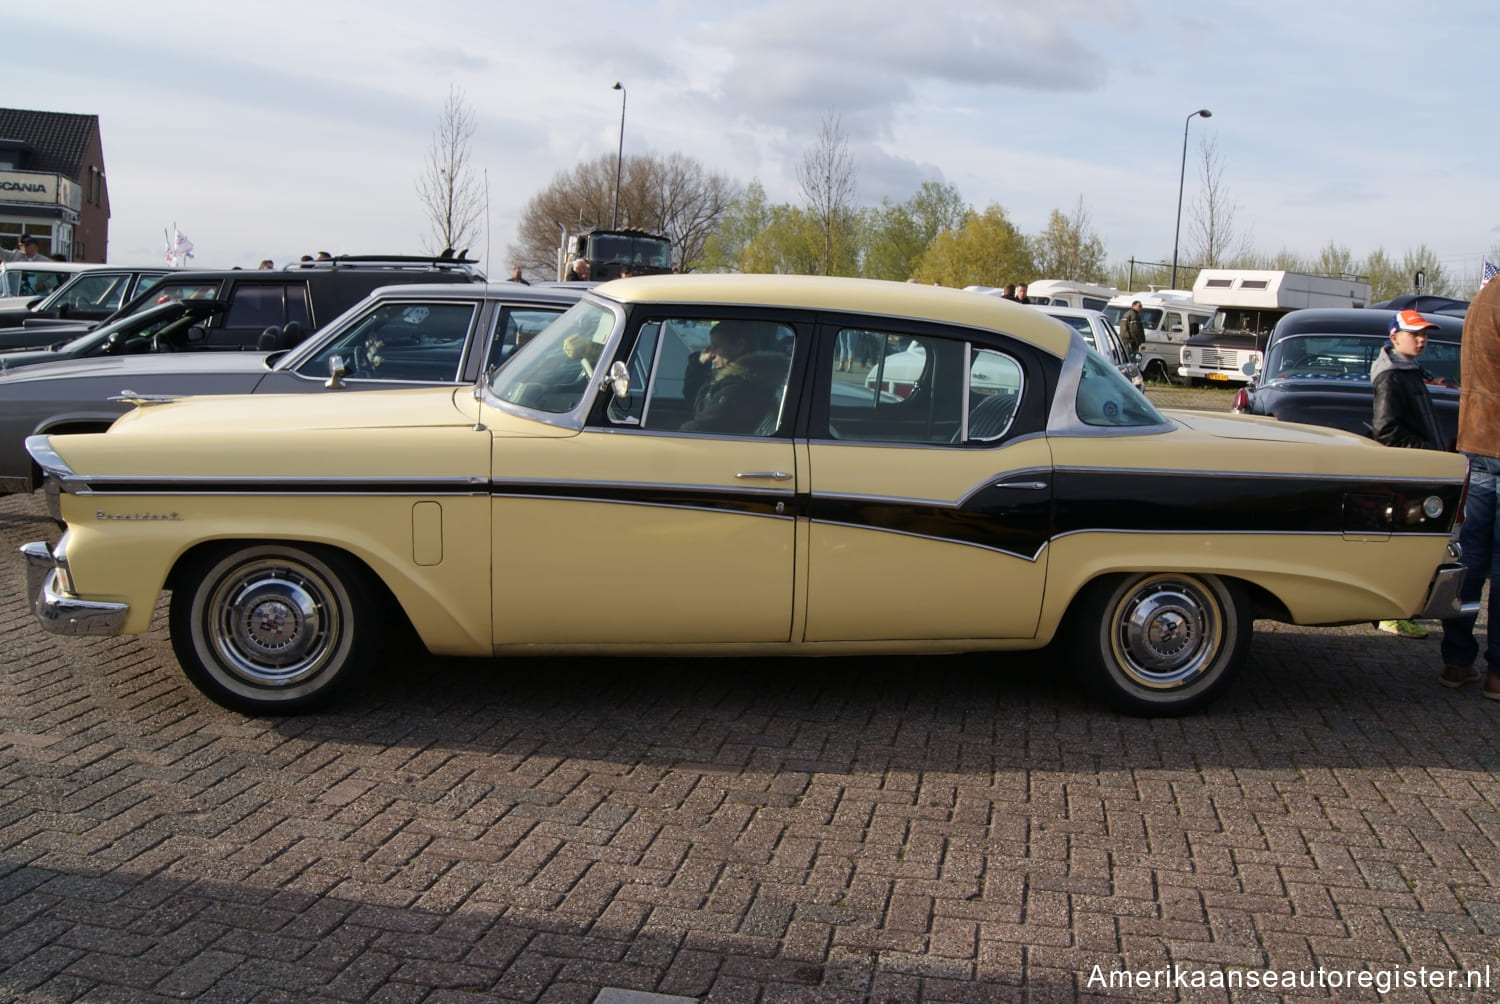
1137 356
336 372
1248 369
1176 327
196 333
619 379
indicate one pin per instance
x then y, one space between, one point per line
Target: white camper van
1066 293
1169 317
1248 303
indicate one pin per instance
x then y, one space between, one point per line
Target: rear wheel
274 629
1160 643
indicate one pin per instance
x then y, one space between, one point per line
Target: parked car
90 295
308 295
24 281
1228 347
174 326
1102 337
580 500
1317 369
397 336
1425 303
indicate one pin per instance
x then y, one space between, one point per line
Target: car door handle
1031 486
765 475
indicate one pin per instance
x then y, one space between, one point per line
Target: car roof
1047 308
1356 321
542 293
904 300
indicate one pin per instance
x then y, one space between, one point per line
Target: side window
256 306
994 392
1093 303
726 377
514 327
145 282
899 388
1173 321
297 309
95 291
410 341
1106 398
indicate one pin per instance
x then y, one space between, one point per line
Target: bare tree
674 196
452 197
827 175
1213 239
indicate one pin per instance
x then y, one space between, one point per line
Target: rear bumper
1443 600
57 611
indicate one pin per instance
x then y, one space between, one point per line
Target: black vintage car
307 296
1317 363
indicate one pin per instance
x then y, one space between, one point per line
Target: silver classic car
399 336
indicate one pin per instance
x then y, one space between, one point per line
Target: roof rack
460 262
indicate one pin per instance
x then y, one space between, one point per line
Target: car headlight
1187 357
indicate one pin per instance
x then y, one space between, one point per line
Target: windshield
552 371
1348 358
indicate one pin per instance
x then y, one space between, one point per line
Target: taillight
1463 499
1241 401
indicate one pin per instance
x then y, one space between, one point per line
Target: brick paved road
944 829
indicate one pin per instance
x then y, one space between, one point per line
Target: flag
1488 273
178 247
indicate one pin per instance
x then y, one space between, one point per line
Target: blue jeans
1480 540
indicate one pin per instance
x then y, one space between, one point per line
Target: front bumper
58 612
1443 600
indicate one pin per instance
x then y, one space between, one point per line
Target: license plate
1218 376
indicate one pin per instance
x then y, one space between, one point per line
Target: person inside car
734 383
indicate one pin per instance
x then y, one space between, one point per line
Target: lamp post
619 155
1181 176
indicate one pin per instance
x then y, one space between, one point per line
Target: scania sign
28 186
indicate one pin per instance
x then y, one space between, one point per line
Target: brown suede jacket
1479 395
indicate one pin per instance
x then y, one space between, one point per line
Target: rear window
1349 357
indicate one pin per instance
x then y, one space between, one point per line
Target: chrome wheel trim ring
1167 631
273 623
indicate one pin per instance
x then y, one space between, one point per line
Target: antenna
487 269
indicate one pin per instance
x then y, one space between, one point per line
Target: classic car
24 281
309 295
398 336
585 498
166 327
1317 369
88 296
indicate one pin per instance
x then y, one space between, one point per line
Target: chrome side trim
1279 475
59 613
1443 600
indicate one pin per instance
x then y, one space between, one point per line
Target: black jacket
1404 415
737 398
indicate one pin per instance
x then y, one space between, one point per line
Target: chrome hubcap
272 623
1168 631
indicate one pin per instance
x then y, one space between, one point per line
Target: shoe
1491 689
1457 676
1406 629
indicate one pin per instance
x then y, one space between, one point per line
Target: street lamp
1181 176
619 155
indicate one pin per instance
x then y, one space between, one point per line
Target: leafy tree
987 250
791 243
747 215
1069 249
896 234
450 194
1384 275
674 196
1335 259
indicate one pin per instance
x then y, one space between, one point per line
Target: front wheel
274 629
1160 643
